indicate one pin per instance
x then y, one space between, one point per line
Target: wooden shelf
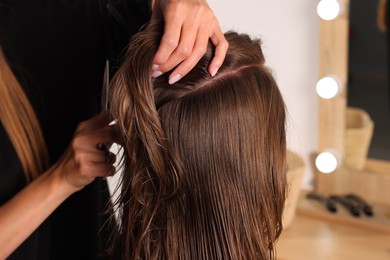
372 183
318 234
379 222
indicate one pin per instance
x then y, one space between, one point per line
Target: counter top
317 234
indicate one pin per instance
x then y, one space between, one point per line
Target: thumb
97 122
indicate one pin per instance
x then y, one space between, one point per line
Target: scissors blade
106 87
104 102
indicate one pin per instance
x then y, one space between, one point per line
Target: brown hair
21 124
204 159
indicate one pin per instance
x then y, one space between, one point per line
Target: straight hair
204 161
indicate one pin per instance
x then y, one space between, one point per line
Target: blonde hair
204 159
20 123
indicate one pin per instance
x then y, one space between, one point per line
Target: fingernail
174 79
214 72
155 66
156 73
100 146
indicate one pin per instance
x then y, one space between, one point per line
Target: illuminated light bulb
328 9
328 87
327 162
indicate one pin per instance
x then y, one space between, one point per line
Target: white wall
289 31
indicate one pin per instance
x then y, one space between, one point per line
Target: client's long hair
204 159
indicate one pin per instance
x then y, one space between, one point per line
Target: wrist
59 183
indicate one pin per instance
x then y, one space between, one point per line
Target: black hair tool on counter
350 206
329 204
361 204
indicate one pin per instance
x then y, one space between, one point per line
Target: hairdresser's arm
79 166
189 24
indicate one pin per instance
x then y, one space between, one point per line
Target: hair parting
204 159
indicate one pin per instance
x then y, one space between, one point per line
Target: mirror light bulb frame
328 87
327 161
329 9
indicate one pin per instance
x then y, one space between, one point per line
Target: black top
57 50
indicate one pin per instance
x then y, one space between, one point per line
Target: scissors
105 88
104 102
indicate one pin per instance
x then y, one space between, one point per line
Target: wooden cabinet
316 234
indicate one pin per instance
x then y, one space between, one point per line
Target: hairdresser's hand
81 163
85 158
189 24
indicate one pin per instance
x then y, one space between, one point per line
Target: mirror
372 180
368 71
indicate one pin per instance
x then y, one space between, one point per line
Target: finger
96 122
112 173
112 158
107 154
103 157
169 40
221 46
93 140
103 170
183 51
109 157
87 157
198 51
118 138
89 160
113 133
